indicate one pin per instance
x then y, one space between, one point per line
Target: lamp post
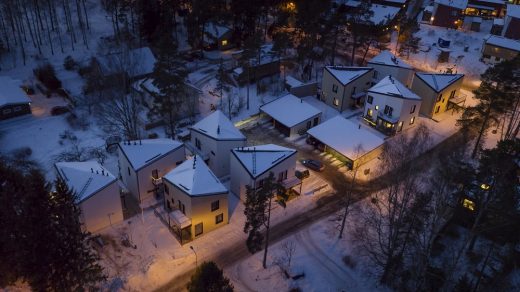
196 260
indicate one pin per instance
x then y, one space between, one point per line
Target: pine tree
258 212
169 77
209 277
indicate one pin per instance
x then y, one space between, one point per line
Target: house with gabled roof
142 163
217 36
437 91
13 100
391 107
195 199
345 87
448 13
212 138
386 64
296 121
251 165
97 190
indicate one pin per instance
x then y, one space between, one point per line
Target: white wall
303 126
401 108
95 210
405 76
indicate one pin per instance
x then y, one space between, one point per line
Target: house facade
195 200
497 49
98 193
345 87
511 28
436 91
448 13
251 165
13 100
391 107
217 36
142 163
386 64
212 138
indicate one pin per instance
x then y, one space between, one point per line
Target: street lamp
196 260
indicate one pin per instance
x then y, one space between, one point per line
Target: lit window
369 112
219 218
198 229
412 120
224 42
412 110
215 205
468 204
377 107
336 102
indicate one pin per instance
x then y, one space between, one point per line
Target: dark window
437 109
17 108
166 189
215 205
439 97
370 98
412 110
178 162
7 111
155 173
260 184
354 90
334 88
452 94
388 110
197 143
219 218
198 229
375 74
128 171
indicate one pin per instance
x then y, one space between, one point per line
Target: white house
347 141
196 201
291 115
387 63
212 138
251 165
97 190
142 163
391 107
345 87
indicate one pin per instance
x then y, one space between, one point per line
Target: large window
282 175
389 110
215 205
219 218
334 88
197 143
412 110
198 229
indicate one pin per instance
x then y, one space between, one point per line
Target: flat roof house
497 49
291 115
347 141
387 63
345 87
251 165
13 100
448 13
511 28
195 200
391 107
142 163
97 190
439 92
212 138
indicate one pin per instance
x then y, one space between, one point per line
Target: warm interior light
224 42
484 187
468 204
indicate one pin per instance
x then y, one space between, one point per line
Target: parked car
313 164
59 110
302 174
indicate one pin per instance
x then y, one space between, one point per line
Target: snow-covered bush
69 63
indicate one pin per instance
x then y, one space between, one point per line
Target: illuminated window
412 120
377 107
224 42
369 112
219 218
468 204
336 102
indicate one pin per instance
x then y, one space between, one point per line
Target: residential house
251 165
13 100
348 142
448 13
195 199
299 88
511 28
212 138
345 87
97 190
436 91
266 63
485 8
391 107
496 49
387 63
291 115
217 36
134 64
142 163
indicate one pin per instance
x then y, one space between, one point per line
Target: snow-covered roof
428 8
346 137
292 82
391 86
290 110
345 75
11 93
195 178
140 61
218 127
389 59
439 82
146 60
259 159
85 178
383 14
513 10
459 4
503 42
215 30
498 21
144 152
147 84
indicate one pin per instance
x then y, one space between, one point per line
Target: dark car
313 164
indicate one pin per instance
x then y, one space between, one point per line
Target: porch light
432 18
468 204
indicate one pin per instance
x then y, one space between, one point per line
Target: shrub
46 75
153 136
69 64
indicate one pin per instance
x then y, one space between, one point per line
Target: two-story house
196 201
391 107
345 87
251 165
212 138
142 163
97 191
436 90
448 13
387 63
